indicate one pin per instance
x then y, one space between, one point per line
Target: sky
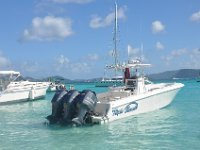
74 38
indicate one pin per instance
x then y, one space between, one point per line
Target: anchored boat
54 86
135 96
138 95
12 90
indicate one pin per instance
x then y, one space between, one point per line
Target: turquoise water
176 127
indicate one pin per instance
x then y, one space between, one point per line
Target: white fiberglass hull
51 89
13 96
137 104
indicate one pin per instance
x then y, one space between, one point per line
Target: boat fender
32 93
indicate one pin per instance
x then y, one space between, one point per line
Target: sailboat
137 95
116 80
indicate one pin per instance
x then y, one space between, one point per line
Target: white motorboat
12 90
138 95
55 86
52 87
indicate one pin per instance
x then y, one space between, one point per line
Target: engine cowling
57 107
86 101
69 106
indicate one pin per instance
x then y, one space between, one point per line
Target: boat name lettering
116 111
130 107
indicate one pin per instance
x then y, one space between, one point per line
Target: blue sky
73 38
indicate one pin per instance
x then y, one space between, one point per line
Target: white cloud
73 1
80 68
98 22
48 28
30 67
4 62
93 57
174 55
157 27
65 66
195 16
61 62
194 56
45 7
159 46
132 51
179 52
136 53
55 7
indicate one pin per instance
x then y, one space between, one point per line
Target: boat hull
52 89
14 96
137 104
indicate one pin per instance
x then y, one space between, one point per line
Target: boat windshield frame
6 77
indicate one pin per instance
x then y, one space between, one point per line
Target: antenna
141 57
128 51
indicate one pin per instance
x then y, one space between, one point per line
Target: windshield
5 79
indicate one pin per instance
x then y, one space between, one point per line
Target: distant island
176 74
167 75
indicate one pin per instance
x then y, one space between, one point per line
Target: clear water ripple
175 127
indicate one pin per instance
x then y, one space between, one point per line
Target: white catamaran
12 90
137 95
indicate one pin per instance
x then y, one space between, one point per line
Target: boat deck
117 93
113 95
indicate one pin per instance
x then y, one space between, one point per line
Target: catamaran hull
22 95
136 105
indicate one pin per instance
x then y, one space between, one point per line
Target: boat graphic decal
128 108
131 107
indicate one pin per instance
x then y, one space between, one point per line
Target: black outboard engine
57 107
87 101
69 106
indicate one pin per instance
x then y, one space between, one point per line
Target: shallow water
174 127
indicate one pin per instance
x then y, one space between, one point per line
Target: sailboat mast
115 39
